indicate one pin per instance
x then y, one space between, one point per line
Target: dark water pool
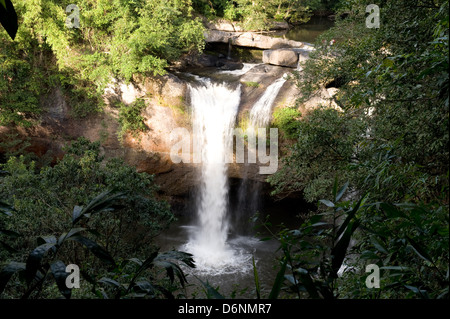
235 277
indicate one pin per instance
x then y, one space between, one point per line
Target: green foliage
324 149
258 14
20 87
48 202
130 118
14 144
45 259
286 120
116 39
391 140
315 252
8 17
408 242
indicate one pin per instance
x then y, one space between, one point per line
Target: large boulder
289 57
206 60
281 57
250 39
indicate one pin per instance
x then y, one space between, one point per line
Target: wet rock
169 87
285 57
229 65
282 57
264 75
202 60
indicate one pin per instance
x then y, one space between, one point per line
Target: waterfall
262 110
214 111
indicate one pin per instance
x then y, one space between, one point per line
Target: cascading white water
214 110
262 110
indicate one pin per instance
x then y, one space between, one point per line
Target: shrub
44 199
131 119
286 119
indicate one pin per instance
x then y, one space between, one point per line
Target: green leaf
391 211
421 293
341 192
88 278
276 288
8 271
419 250
148 263
71 233
339 251
320 224
7 247
8 18
308 282
369 255
349 217
106 201
292 280
58 269
327 202
400 268
378 245
76 214
256 278
110 282
95 248
171 269
443 294
144 286
6 209
335 187
211 292
34 260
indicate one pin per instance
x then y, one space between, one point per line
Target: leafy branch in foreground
327 255
43 262
316 251
8 17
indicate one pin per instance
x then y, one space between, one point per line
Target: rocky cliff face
166 109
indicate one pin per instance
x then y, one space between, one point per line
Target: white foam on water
227 260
